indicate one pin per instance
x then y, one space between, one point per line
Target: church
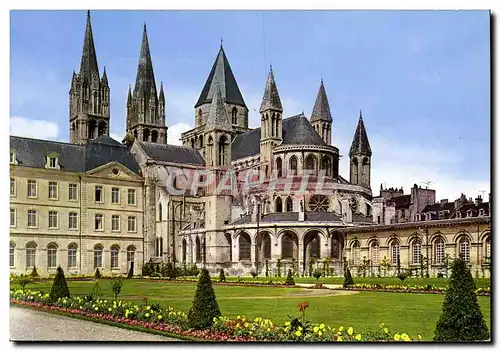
230 197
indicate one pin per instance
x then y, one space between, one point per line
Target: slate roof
88 63
360 143
221 72
217 116
432 208
321 109
145 81
73 158
271 98
294 217
402 201
172 153
297 130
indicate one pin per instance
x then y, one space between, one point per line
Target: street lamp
257 240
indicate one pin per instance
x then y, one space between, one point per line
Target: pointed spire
271 99
360 143
129 97
88 63
104 78
321 109
145 80
221 73
162 95
218 117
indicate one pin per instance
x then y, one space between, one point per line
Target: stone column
324 249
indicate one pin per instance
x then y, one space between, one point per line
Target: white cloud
33 128
174 132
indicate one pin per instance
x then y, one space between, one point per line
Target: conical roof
321 109
271 98
218 117
360 144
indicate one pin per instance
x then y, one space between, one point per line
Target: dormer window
417 217
52 161
469 213
13 160
481 211
459 215
428 216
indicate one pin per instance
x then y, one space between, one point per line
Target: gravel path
31 325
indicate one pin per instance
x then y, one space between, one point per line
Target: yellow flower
320 333
147 315
341 328
397 337
322 326
419 337
339 338
316 329
287 323
268 329
298 333
237 325
386 330
109 309
350 330
238 317
358 337
160 317
96 308
246 325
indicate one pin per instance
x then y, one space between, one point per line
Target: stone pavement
31 325
329 286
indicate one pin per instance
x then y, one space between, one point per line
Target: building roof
172 153
360 143
145 85
88 63
73 158
294 217
271 99
221 72
321 109
297 130
218 119
403 201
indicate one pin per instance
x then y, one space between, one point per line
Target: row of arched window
288 206
438 250
72 250
311 164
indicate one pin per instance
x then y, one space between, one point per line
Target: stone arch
289 204
484 235
311 246
229 242
279 166
459 234
293 164
278 204
145 134
244 245
336 245
289 245
92 128
154 136
197 249
263 248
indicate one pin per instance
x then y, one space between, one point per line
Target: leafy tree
253 273
289 279
169 271
317 274
205 306
59 286
279 265
97 274
222 277
461 319
403 275
23 280
348 281
116 286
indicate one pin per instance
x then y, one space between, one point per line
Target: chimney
444 201
478 200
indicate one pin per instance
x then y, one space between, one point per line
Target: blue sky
422 78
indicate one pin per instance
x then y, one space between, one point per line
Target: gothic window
245 244
289 204
154 136
293 165
319 203
234 119
101 130
223 146
310 162
276 125
279 204
145 135
200 140
326 165
279 167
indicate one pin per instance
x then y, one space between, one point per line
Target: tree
461 319
169 270
23 280
289 279
317 274
97 273
348 278
205 306
222 277
116 286
34 273
59 286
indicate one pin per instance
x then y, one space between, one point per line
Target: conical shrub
348 278
59 287
205 306
461 319
289 278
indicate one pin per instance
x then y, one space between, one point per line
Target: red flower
303 306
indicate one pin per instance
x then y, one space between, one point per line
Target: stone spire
104 79
89 58
129 97
218 118
271 99
360 144
321 110
145 80
162 95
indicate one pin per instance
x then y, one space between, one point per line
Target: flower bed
426 289
168 320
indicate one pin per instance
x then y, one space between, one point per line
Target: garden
334 315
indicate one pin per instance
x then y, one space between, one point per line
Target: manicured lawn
439 282
403 312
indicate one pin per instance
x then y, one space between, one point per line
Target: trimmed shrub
222 277
130 273
317 274
34 273
253 273
169 271
289 278
205 306
461 319
97 273
402 276
348 281
59 287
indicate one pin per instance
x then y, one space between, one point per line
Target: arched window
200 118
234 118
375 252
51 255
394 252
279 167
354 170
145 135
30 254
97 256
160 209
114 256
198 249
416 250
230 243
12 253
439 250
200 139
184 251
356 251
310 163
72 248
487 248
223 151
279 204
245 244
293 165
154 136
464 247
326 165
289 204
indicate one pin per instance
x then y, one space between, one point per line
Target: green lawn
403 312
440 282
